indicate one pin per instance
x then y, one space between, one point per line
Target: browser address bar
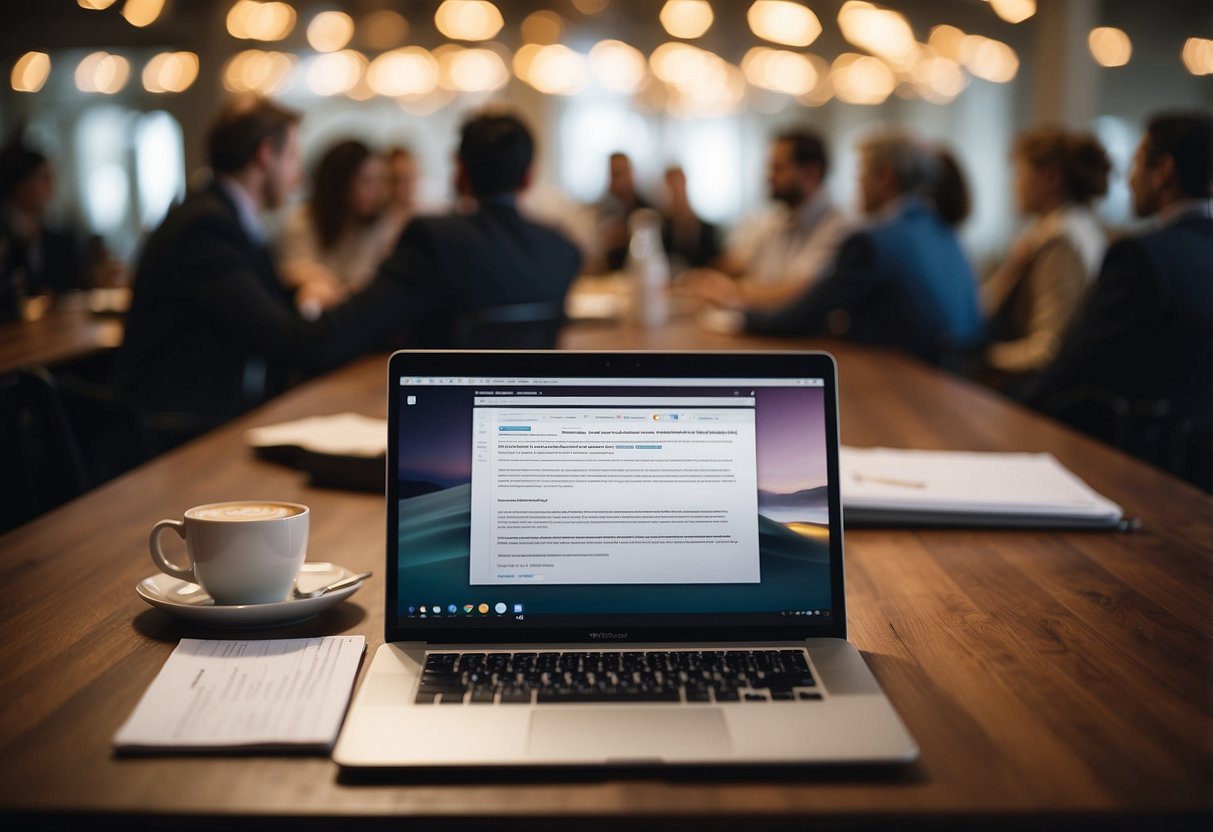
616 401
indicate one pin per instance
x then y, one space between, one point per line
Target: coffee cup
240 551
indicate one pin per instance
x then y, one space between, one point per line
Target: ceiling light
557 70
880 31
408 71
479 70
256 71
989 59
468 19
102 72
170 72
686 18
1014 11
330 31
140 13
334 73
618 66
250 20
861 79
779 70
785 22
1198 56
31 71
1110 46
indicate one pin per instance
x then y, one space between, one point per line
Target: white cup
240 551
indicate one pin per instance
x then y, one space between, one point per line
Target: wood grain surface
68 331
1052 679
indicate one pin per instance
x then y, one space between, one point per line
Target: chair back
41 465
518 326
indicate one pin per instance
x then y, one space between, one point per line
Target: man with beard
903 280
777 256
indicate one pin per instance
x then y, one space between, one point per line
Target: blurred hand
714 287
315 296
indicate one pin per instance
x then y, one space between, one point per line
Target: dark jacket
449 266
904 283
211 330
1146 331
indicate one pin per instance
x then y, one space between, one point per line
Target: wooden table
1051 679
62 333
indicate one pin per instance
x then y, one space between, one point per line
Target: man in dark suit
1145 335
211 329
903 281
450 267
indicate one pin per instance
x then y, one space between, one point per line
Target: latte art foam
245 512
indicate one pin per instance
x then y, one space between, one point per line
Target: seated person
338 238
903 281
1030 299
451 266
212 330
689 241
1145 333
774 257
35 257
403 173
614 210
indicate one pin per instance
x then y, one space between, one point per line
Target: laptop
615 559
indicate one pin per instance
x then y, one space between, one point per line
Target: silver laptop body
620 559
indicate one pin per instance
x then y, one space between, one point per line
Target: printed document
287 693
968 488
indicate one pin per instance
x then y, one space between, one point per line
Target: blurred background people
212 329
1031 297
950 196
689 241
403 173
614 210
774 257
459 270
1137 366
37 258
335 241
903 281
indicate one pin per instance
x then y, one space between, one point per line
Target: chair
518 326
42 465
113 434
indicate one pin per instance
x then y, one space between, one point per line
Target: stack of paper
345 450
266 694
909 487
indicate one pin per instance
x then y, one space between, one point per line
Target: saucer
189 602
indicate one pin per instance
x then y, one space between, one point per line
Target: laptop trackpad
629 733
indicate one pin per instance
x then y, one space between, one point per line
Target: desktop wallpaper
434 472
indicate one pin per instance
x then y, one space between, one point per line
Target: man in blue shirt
903 281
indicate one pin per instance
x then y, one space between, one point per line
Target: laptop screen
626 494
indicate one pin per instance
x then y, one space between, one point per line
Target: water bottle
648 269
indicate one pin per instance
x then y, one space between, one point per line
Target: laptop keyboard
616 676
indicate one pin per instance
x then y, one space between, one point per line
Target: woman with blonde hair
1030 299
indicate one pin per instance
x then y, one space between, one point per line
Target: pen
889 481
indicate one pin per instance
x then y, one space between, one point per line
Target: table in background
1051 678
76 326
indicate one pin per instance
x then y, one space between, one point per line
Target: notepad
887 486
246 694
